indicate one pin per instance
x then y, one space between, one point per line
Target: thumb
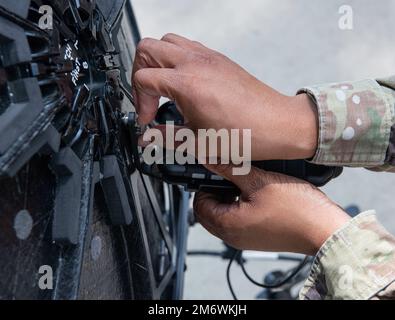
211 210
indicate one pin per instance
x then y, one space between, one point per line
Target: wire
237 252
295 271
205 253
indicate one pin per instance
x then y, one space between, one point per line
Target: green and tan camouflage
355 120
356 129
356 262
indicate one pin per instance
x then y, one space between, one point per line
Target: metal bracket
115 192
67 167
46 143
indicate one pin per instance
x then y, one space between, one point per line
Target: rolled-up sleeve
355 122
356 262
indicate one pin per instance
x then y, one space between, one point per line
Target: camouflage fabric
357 262
356 129
389 84
355 120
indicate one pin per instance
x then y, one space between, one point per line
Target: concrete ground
287 44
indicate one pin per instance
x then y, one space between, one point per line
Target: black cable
278 284
228 274
205 253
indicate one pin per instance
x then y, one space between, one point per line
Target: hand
211 91
275 212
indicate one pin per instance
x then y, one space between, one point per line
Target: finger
215 211
149 85
153 53
184 42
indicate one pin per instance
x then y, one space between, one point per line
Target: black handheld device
195 177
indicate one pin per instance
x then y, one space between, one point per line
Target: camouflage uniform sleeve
356 120
356 262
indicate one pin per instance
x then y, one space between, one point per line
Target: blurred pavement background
287 44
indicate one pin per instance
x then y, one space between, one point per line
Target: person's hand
274 212
211 91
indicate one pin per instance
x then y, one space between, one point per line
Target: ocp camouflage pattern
357 262
355 120
356 129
